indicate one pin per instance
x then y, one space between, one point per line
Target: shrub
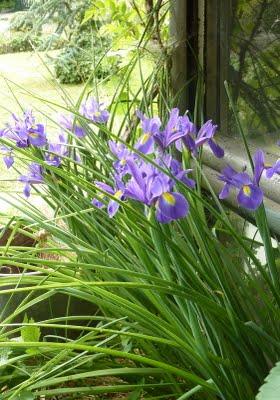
7 5
84 54
18 42
22 22
72 65
76 65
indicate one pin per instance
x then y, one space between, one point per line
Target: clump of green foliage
22 22
7 5
77 65
84 56
18 42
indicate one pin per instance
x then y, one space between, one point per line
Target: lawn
21 73
27 71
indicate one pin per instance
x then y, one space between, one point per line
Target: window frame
203 27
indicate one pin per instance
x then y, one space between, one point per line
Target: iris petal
172 205
250 197
216 149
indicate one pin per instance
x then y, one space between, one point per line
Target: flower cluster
148 173
146 181
179 130
25 132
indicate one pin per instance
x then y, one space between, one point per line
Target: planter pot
56 306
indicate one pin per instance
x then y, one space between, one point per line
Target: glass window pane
254 68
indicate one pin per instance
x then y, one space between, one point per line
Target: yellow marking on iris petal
267 165
123 161
247 190
169 198
33 134
51 157
145 138
97 114
118 194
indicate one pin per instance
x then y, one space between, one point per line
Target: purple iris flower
37 136
188 138
205 135
260 166
249 195
193 139
25 132
8 157
56 151
122 153
117 192
33 177
153 187
94 111
150 128
69 122
175 129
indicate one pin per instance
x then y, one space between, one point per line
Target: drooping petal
224 193
189 143
113 207
145 144
97 203
274 169
258 166
52 160
250 197
103 186
163 219
172 205
79 131
27 190
183 177
216 149
94 111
